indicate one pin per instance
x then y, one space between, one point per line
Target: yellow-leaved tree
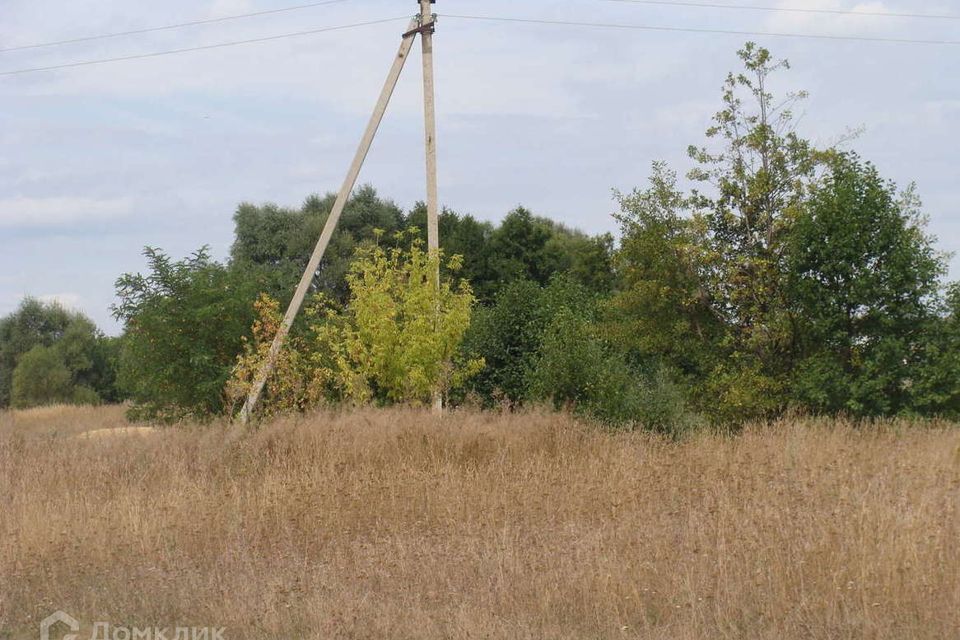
395 341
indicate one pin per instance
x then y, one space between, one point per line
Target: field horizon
397 524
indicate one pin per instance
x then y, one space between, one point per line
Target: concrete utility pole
424 24
427 27
266 368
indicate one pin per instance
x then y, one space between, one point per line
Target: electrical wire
743 7
219 45
169 27
614 25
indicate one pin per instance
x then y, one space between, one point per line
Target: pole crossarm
430 27
266 368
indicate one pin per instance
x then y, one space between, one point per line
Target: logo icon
54 618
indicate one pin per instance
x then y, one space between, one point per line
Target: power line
219 45
746 7
613 25
169 27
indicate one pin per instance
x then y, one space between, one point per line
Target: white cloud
23 212
72 301
836 24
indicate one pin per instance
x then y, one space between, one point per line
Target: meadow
397 524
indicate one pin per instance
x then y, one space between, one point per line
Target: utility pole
427 27
266 368
424 24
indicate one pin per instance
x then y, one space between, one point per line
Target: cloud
72 301
836 25
23 212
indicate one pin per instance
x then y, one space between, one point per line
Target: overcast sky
98 161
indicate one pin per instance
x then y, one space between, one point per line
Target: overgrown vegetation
395 340
391 523
789 277
185 323
51 355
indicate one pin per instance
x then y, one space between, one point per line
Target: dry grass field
392 524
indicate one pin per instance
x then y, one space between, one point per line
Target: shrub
577 371
185 323
41 378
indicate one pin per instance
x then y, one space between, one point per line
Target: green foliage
57 341
760 173
395 341
185 324
800 278
33 323
570 363
293 386
278 242
460 235
546 344
508 334
526 247
663 311
862 278
41 378
935 386
788 277
577 370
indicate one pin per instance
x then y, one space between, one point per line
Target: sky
99 161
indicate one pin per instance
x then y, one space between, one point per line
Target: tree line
777 276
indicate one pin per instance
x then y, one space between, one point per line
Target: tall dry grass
391 524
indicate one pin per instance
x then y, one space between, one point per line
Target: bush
185 324
508 335
577 371
41 378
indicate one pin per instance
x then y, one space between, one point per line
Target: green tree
570 362
278 242
578 370
71 338
663 312
759 176
41 378
460 235
184 327
33 323
518 249
795 277
522 247
508 334
863 278
705 274
934 387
